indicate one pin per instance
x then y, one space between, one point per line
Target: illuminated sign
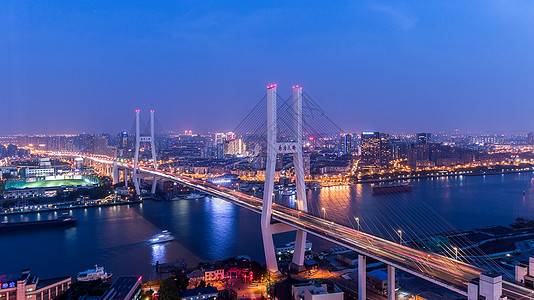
7 285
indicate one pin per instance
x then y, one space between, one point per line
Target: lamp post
456 252
400 236
324 213
357 221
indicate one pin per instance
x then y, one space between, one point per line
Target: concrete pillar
491 285
136 156
299 252
298 161
266 230
391 283
531 266
154 184
125 177
472 291
362 277
153 146
115 173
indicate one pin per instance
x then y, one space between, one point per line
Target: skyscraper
346 143
424 138
375 151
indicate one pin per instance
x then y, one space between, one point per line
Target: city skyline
382 66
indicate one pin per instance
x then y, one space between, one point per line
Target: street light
357 221
400 235
324 213
456 252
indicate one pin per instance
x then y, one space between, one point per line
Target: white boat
193 196
94 274
162 237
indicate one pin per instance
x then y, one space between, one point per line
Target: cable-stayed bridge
282 135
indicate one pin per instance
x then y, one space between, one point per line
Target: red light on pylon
137 110
151 110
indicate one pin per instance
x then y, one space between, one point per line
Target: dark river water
211 229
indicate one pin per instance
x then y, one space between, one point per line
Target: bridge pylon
273 149
143 139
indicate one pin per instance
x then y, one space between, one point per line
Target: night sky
85 66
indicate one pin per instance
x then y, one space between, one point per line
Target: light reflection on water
158 253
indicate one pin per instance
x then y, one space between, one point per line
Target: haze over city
387 66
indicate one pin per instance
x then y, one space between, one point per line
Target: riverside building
29 287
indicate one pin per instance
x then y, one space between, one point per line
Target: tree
168 290
202 284
182 281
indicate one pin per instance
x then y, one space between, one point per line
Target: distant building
123 140
424 138
234 147
375 151
346 143
28 287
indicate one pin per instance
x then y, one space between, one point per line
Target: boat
289 192
162 237
314 186
193 196
63 220
392 188
94 274
290 247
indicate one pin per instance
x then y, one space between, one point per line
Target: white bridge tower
274 148
143 139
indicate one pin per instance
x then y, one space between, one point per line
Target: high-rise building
375 151
385 151
424 138
123 140
346 143
234 147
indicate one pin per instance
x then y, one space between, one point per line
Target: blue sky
85 66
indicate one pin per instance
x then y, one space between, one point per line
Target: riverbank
438 175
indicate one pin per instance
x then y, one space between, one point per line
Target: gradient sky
85 66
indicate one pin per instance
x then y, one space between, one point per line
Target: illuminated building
346 143
375 151
29 287
234 147
424 138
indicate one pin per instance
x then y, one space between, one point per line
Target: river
211 229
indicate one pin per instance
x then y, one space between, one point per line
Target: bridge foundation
362 277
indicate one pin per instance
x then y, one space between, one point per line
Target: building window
29 296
